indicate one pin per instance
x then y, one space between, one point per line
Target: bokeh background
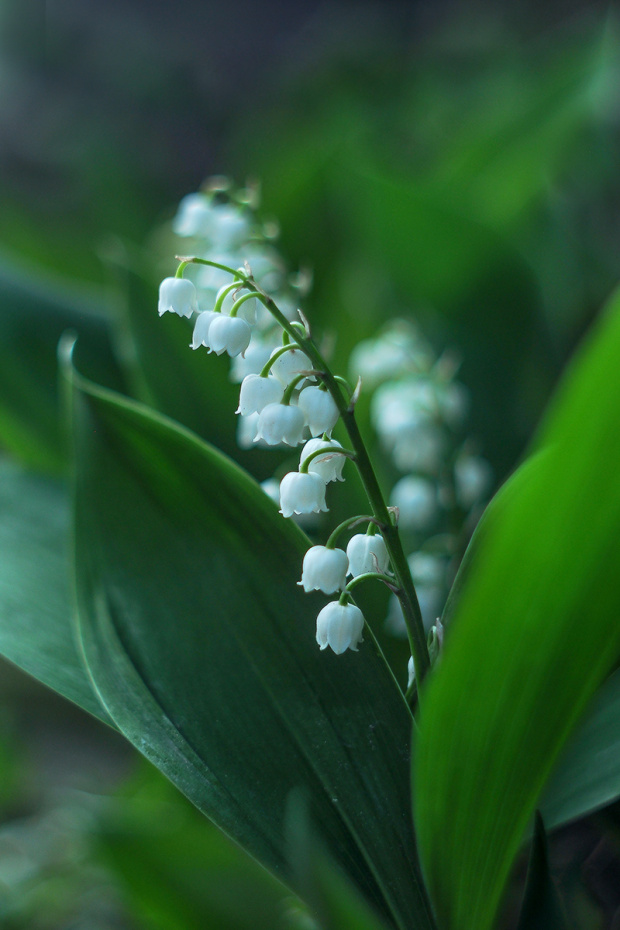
456 164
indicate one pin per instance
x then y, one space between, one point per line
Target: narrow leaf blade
534 635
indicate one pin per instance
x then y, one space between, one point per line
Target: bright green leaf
534 635
36 625
202 649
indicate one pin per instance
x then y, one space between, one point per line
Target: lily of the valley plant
244 657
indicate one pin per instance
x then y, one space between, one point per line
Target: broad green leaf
542 907
201 647
32 320
587 775
534 635
36 625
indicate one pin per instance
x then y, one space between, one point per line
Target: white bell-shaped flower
340 626
319 408
301 493
201 329
177 295
256 393
416 499
229 334
367 554
329 466
290 364
324 570
279 423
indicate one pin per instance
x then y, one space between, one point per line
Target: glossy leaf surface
36 625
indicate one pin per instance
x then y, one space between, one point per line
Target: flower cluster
243 304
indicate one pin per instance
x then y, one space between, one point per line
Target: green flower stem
404 582
290 387
222 294
347 525
276 355
371 576
324 450
344 383
234 310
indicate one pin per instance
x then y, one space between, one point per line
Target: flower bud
324 570
340 626
229 334
256 393
177 295
281 423
367 554
301 493
328 466
319 408
410 672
